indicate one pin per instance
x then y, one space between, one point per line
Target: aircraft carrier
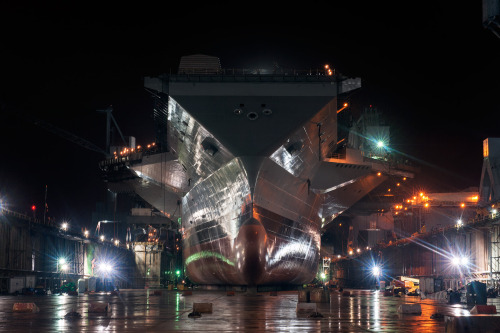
250 164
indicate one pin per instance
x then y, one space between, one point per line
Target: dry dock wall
30 251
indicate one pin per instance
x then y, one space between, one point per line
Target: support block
202 307
96 307
304 296
484 309
25 307
410 309
320 296
306 308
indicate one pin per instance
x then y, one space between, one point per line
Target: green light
323 276
178 272
179 220
208 254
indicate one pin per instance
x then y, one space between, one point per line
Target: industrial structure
449 238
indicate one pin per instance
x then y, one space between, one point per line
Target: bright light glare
376 271
323 276
62 261
106 267
102 238
64 226
64 267
380 144
460 261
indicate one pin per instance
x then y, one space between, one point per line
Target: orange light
327 66
397 184
426 205
379 174
346 105
462 205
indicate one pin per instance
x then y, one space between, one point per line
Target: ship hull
231 238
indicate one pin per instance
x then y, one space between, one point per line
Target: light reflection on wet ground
140 310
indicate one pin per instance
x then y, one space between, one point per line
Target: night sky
429 67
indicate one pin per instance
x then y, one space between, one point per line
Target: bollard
202 307
96 307
484 309
410 309
25 307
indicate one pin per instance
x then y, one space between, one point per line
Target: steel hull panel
230 239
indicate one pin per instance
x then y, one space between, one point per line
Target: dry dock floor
143 311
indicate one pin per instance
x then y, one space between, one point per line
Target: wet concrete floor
142 311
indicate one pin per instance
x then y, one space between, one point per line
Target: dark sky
429 66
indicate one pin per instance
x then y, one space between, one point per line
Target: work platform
168 311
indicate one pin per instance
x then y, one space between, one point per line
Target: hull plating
230 239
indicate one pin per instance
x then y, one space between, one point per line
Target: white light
106 268
460 261
102 238
86 233
323 276
376 271
64 267
62 261
64 226
380 144
459 222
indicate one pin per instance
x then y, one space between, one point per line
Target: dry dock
168 311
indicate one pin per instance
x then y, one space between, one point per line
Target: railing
258 71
